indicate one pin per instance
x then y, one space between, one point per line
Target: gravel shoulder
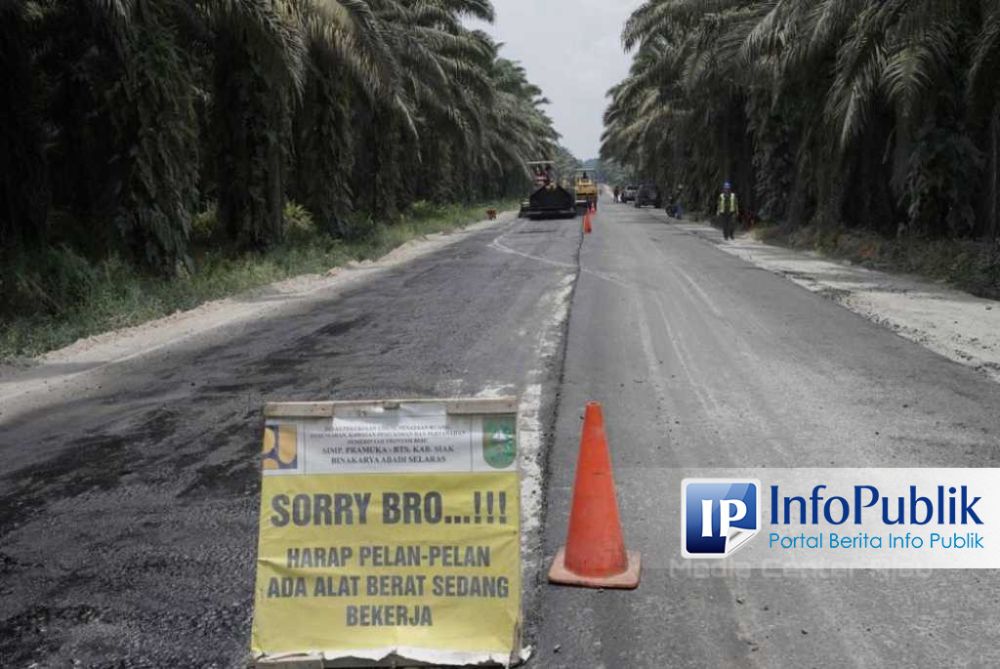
959 326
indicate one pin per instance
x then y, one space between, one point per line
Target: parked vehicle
629 193
648 194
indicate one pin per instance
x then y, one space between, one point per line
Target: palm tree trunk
994 173
24 179
277 194
375 161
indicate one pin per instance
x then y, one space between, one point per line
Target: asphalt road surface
703 360
128 509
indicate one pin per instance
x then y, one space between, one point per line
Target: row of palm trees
883 115
120 120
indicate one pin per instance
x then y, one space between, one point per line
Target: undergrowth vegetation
53 297
968 264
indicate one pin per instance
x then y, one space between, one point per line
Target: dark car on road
648 194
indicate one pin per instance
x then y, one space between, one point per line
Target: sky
572 50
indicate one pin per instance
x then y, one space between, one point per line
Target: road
703 360
128 502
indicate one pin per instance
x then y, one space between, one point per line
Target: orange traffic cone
595 555
587 228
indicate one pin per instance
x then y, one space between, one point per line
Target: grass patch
969 265
55 297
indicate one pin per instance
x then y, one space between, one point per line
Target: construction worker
729 210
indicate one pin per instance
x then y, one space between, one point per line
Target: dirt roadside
952 323
20 384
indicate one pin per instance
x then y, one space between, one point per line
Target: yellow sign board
390 529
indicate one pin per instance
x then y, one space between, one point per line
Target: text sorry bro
319 509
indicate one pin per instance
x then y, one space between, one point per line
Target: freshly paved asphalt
128 511
702 360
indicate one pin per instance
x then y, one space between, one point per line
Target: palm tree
344 105
24 189
109 81
257 73
348 61
858 112
985 105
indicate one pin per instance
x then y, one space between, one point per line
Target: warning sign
390 528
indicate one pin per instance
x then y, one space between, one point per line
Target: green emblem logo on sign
499 441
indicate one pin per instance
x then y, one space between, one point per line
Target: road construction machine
550 199
586 190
